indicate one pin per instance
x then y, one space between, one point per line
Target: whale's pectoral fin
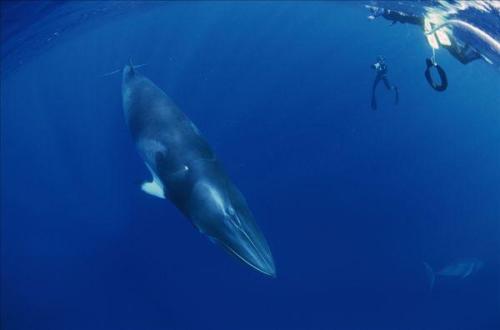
153 188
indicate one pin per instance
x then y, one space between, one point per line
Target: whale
186 171
461 269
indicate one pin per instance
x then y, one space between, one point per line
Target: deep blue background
351 201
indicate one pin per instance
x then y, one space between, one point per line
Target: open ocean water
352 202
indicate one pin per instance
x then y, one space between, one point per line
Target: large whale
460 269
186 171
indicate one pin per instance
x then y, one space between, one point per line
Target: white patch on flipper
153 188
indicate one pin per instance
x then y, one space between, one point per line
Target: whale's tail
133 67
431 276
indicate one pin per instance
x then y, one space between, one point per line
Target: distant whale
461 269
186 171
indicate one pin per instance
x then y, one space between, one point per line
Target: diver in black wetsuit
395 16
381 69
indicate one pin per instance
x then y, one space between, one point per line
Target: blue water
352 201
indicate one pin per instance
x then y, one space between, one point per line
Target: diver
394 16
381 69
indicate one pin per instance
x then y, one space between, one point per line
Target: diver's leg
396 91
374 87
386 83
